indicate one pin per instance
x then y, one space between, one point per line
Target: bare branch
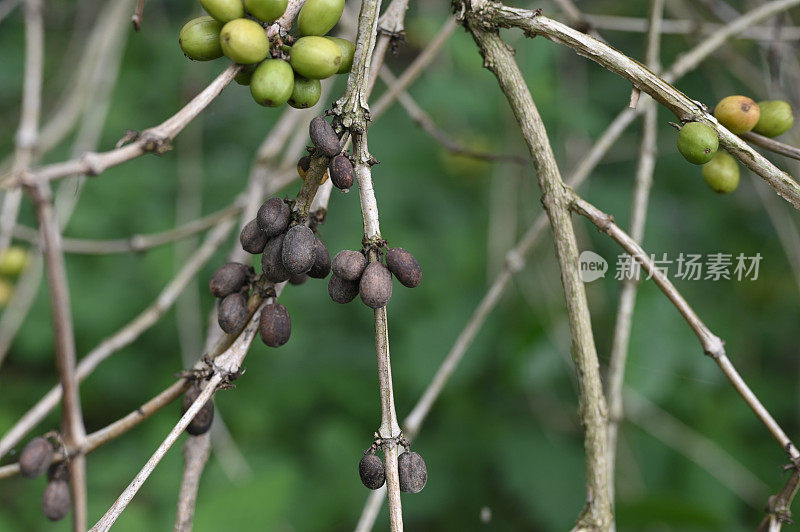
779 506
137 15
772 145
196 450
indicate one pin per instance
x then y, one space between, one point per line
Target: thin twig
136 19
772 145
196 450
779 510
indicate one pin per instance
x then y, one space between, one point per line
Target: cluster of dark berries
354 275
231 284
326 142
281 70
411 469
34 460
201 422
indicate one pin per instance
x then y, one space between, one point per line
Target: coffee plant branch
196 451
779 506
772 145
687 27
391 29
138 13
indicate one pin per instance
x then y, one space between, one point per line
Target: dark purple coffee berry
275 326
202 420
324 137
35 458
349 265
412 471
404 266
375 286
273 217
303 165
371 471
230 278
341 290
271 261
299 249
232 313
298 279
56 500
341 170
322 261
252 238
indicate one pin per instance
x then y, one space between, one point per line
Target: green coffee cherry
776 118
199 39
244 41
315 57
348 49
266 10
245 75
737 113
697 142
306 92
318 17
223 10
13 261
272 83
722 173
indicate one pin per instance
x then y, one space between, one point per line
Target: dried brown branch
772 145
779 510
136 19
196 450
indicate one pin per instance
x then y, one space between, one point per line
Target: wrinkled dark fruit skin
412 471
271 261
341 170
275 326
252 238
202 421
324 137
35 458
404 266
229 278
375 286
371 471
232 314
341 290
298 279
299 249
273 217
56 500
349 265
322 261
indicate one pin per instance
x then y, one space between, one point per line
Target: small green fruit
199 39
13 261
223 10
306 92
245 75
722 173
318 17
244 41
266 10
697 142
348 49
737 113
272 83
315 57
776 118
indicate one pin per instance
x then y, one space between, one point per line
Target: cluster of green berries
698 143
411 469
36 458
285 69
13 262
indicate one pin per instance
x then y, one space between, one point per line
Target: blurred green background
503 440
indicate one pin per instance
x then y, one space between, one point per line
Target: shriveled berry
697 142
223 10
776 118
272 83
737 113
273 217
303 165
322 261
204 417
412 471
244 41
229 278
232 313
323 136
56 500
404 266
341 170
371 471
318 17
199 39
375 286
315 57
306 93
348 49
349 265
275 326
266 10
341 290
252 238
299 251
722 173
35 458
272 262
298 279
